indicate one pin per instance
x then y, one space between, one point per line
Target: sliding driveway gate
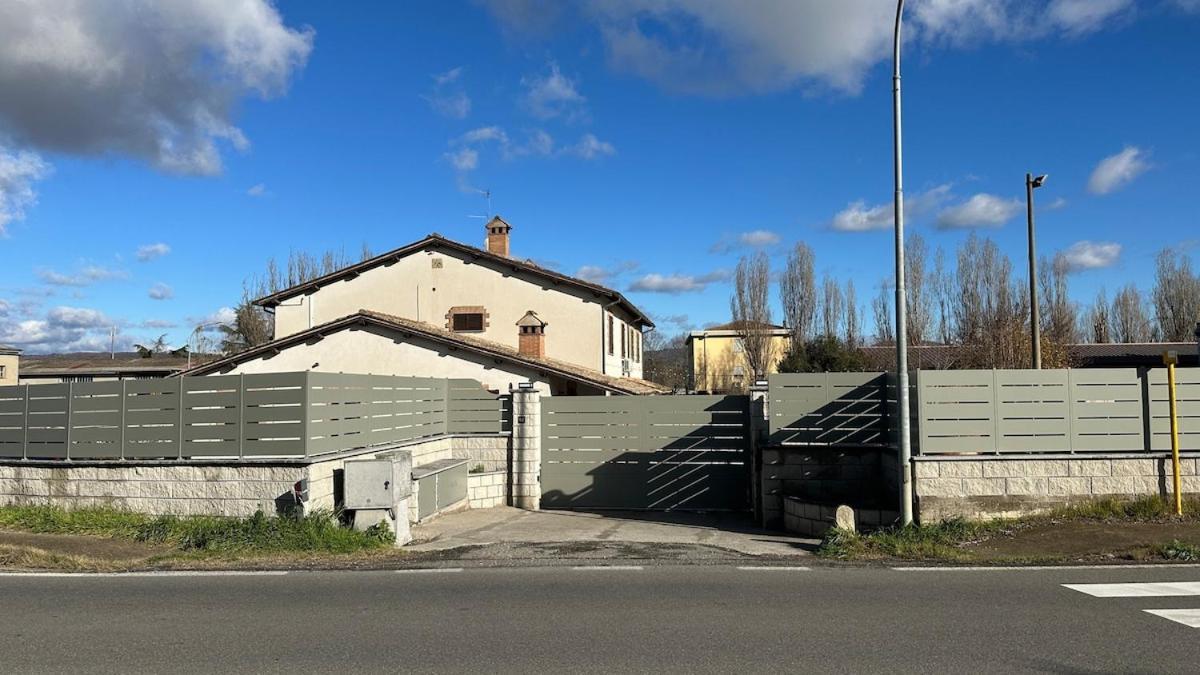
646 452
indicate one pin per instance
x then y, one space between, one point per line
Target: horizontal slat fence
830 409
1049 411
272 415
647 452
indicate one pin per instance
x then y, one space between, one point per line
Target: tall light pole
906 493
1035 327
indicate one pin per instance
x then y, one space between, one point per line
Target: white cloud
161 291
224 315
158 324
157 82
1117 170
257 190
482 135
447 97
719 48
858 217
553 95
18 172
86 276
981 210
1090 255
675 284
599 275
463 159
590 147
148 252
62 329
751 239
1056 204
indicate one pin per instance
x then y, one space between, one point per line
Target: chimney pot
497 236
531 335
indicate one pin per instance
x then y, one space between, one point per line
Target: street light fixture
906 491
1031 183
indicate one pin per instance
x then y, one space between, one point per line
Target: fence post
70 402
306 412
121 452
25 439
758 431
241 405
527 449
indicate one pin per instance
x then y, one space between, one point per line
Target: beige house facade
10 364
476 293
717 357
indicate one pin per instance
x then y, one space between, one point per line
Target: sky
154 157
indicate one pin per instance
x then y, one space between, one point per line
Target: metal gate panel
645 452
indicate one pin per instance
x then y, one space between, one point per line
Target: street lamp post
1032 183
906 492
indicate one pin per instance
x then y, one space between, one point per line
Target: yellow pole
1174 437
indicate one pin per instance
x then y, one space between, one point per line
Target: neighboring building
476 293
718 358
374 343
100 367
10 365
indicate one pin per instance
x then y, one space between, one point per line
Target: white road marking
179 573
430 570
595 568
1014 568
1187 617
772 568
1156 589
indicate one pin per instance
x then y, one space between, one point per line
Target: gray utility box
370 484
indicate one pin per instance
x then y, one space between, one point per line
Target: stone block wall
809 519
829 476
993 487
487 490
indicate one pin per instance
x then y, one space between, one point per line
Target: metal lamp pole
906 492
1035 326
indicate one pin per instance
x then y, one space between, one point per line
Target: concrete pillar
526 488
759 439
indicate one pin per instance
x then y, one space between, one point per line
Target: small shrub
478 468
1179 550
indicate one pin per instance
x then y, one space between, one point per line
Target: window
472 319
3 371
610 335
77 378
624 333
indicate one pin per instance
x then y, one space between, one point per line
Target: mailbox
369 483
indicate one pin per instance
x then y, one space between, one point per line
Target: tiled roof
440 241
104 363
6 349
622 385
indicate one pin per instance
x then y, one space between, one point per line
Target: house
440 308
717 355
101 366
10 364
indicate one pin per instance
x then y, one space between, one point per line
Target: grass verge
958 540
318 532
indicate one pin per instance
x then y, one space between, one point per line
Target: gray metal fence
1040 411
830 409
276 415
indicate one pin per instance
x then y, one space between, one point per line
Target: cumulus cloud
859 217
448 97
1116 171
604 274
62 329
674 284
1090 255
751 239
86 276
553 94
18 172
158 324
721 48
161 291
257 190
463 159
224 315
590 147
148 252
465 150
157 82
981 210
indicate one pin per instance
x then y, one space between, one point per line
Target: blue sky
149 164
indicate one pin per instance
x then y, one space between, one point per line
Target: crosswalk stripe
1187 617
1157 589
772 568
607 568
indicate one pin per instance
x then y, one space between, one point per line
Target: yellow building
718 356
10 362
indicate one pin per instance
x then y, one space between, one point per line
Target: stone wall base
811 519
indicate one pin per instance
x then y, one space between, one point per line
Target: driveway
506 525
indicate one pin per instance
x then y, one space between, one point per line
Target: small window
610 335
472 322
77 378
3 371
624 332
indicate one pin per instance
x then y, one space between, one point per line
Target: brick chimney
497 236
531 336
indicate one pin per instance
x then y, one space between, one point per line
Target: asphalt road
662 619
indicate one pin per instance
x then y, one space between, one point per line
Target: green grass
315 532
947 540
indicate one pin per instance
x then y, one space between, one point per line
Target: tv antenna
487 194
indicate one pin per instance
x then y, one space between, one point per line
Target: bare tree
751 311
1099 319
831 307
1059 318
1176 296
852 321
666 359
990 317
881 307
798 293
941 285
917 296
1130 322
